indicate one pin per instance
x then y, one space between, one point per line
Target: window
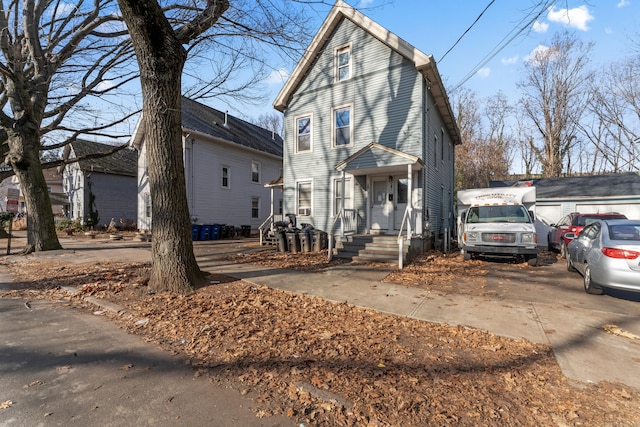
255 172
442 145
342 127
337 191
435 150
255 207
343 63
225 177
304 198
147 205
402 191
303 134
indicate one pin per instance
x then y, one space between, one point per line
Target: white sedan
607 254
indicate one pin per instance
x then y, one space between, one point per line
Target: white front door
381 204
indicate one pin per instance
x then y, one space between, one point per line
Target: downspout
342 205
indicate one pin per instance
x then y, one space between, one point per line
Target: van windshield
505 213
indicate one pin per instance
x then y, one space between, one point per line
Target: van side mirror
532 215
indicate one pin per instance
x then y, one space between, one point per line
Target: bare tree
482 156
158 35
271 121
555 94
58 61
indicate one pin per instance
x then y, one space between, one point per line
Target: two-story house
100 189
227 162
370 135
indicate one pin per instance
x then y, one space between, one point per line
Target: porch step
371 248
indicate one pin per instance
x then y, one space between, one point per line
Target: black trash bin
293 241
281 241
246 230
306 237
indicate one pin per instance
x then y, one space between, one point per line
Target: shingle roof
609 185
207 120
123 162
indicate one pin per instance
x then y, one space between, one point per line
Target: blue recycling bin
205 232
215 231
195 231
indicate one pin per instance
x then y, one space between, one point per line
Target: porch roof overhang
379 159
275 183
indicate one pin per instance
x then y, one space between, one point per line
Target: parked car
573 223
607 254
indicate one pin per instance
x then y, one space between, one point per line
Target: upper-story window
255 172
342 126
343 63
303 134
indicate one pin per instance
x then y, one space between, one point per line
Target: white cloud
578 17
484 72
623 3
104 85
510 61
278 76
608 30
540 27
365 3
538 54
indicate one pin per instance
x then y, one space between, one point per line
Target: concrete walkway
584 351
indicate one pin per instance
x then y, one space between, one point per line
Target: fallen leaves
334 364
6 404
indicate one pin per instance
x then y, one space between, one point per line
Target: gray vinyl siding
115 197
385 92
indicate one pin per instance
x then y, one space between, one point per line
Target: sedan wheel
563 250
570 266
589 286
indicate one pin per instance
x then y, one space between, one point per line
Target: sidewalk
583 350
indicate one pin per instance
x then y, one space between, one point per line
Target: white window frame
348 184
298 205
257 164
255 199
334 124
348 65
222 177
297 142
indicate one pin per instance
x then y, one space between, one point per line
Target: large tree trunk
161 58
23 158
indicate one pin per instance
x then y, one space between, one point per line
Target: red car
574 223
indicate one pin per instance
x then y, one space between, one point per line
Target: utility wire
528 20
467 30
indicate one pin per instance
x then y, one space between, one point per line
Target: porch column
272 200
409 201
342 204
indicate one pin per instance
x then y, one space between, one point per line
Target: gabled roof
425 64
123 162
197 117
609 185
377 158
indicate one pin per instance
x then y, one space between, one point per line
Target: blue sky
434 26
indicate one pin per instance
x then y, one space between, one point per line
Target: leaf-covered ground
331 364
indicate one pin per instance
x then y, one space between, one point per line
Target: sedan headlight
527 237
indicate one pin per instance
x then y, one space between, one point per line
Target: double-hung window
225 177
255 172
343 63
303 134
342 128
255 207
304 198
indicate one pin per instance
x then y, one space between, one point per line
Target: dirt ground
332 364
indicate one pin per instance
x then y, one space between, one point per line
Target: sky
477 43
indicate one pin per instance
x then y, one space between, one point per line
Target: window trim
349 183
295 124
257 208
222 177
333 125
298 207
337 67
257 163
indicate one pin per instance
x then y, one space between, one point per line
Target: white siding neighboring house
370 134
106 185
227 162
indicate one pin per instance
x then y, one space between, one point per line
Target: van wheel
533 261
589 286
466 255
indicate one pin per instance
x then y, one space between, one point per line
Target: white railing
271 220
348 225
401 239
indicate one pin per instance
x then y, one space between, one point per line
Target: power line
528 20
467 30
